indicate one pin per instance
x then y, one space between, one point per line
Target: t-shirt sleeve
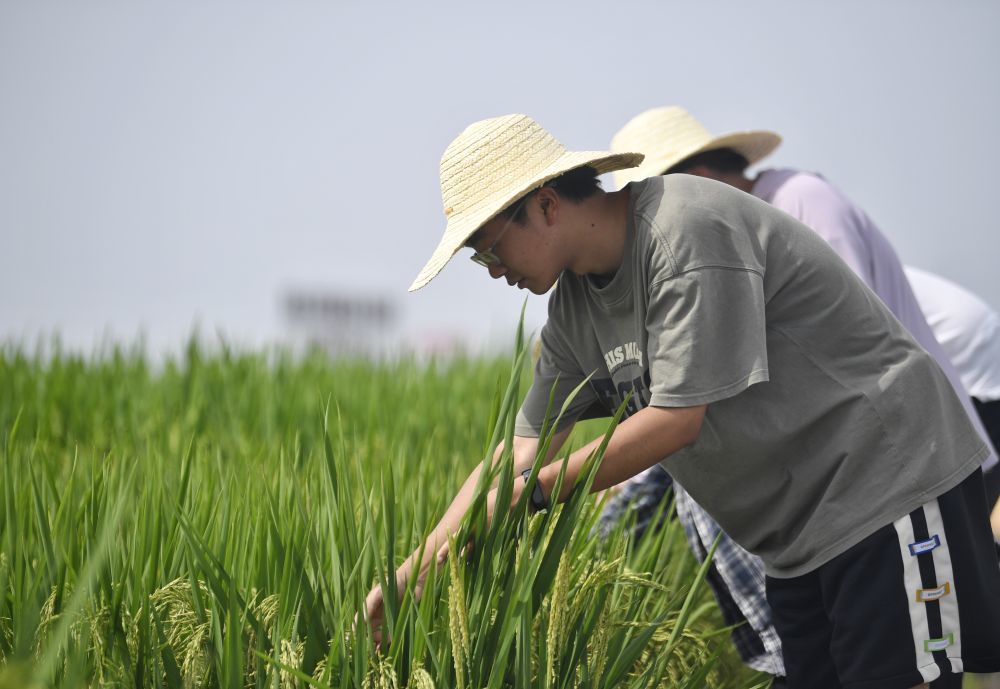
817 204
706 336
556 370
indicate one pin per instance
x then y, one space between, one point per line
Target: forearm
447 526
638 443
524 452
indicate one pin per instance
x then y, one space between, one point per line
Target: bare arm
524 456
638 443
436 544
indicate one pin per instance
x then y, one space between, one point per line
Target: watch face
537 498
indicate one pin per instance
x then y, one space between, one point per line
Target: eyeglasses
486 257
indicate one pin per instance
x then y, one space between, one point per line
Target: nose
497 270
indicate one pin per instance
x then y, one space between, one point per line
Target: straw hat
492 164
669 135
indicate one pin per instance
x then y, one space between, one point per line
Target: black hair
719 159
575 185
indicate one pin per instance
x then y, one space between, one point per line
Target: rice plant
217 520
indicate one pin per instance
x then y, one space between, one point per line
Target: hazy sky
167 164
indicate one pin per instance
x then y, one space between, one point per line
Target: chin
541 289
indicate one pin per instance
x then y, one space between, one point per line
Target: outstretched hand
375 600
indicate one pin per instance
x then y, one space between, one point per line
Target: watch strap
537 499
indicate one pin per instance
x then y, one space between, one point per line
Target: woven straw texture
491 165
670 134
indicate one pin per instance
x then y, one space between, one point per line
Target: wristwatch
537 499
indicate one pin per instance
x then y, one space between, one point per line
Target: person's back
870 380
969 332
814 201
967 328
811 199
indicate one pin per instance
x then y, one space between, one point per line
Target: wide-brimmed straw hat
670 134
492 164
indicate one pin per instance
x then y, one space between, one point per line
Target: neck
599 233
740 181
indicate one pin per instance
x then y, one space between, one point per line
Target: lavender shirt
824 208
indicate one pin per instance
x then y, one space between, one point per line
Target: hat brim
753 145
460 227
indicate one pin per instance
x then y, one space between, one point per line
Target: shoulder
807 187
689 201
685 222
813 200
677 191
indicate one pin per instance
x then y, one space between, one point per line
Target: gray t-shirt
825 419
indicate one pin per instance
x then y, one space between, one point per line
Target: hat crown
666 129
669 135
494 155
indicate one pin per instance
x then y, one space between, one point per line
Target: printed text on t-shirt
629 352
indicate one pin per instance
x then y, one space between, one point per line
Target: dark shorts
989 414
918 599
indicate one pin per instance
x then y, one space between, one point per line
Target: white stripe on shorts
918 613
937 545
950 623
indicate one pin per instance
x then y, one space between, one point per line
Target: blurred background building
339 323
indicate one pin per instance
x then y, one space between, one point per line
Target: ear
548 203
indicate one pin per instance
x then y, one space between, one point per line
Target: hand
375 614
375 600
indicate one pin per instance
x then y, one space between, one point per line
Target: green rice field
216 520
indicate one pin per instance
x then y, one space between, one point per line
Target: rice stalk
420 679
290 655
458 621
558 616
89 622
686 657
381 676
187 635
598 647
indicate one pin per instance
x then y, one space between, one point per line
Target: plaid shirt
736 577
